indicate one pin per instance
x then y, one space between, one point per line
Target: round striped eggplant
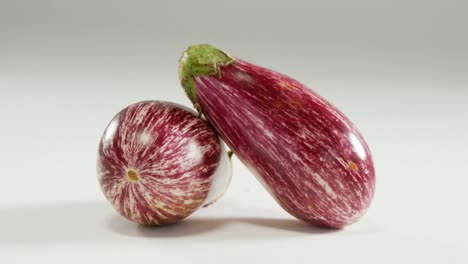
158 162
309 155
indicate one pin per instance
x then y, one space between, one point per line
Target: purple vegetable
158 163
308 154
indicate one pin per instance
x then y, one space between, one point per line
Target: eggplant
305 152
158 162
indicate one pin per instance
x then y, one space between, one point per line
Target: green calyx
200 60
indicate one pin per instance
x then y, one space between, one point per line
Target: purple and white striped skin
158 162
309 155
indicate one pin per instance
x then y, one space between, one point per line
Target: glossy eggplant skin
309 155
158 162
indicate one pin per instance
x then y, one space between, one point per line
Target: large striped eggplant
309 155
158 162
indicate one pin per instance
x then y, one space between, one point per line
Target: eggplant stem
200 60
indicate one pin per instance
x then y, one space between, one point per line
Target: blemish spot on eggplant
352 166
286 85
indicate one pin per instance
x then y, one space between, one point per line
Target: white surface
399 70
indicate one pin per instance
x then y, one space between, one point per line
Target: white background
398 69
